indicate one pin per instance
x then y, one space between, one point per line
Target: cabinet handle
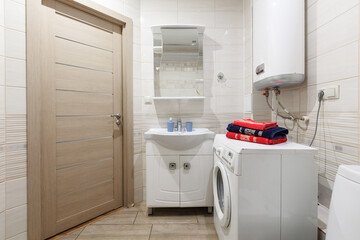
187 166
172 166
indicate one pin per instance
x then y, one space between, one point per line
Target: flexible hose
320 97
292 116
277 112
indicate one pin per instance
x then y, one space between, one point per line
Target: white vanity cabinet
179 178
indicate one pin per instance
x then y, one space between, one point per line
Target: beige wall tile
15 72
15 44
2 70
15 132
138 179
196 5
232 71
229 53
2 100
334 35
16 193
16 221
15 100
339 64
2 197
228 36
158 5
13 195
2 13
2 226
202 18
21 236
138 195
2 158
157 18
138 162
15 161
2 41
228 5
324 11
20 1
229 20
14 15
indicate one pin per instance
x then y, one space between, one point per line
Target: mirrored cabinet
178 61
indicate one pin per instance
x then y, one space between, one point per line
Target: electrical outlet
331 92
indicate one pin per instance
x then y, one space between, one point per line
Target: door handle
187 166
118 118
172 166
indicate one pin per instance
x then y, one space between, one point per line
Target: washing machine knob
219 151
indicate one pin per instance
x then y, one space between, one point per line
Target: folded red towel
249 138
249 123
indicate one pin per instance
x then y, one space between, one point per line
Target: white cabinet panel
162 182
196 181
299 218
259 196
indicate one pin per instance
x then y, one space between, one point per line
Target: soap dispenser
170 125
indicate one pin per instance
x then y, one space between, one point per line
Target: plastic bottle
170 125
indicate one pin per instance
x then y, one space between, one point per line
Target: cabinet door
162 182
196 181
257 193
299 196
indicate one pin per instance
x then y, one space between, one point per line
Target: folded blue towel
272 133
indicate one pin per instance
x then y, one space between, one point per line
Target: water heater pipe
291 116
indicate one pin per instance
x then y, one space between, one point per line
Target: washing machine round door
222 199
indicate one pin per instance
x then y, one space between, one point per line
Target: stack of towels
257 132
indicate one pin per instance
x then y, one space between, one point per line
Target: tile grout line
331 50
80 233
135 217
150 231
332 19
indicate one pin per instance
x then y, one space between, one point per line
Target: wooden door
196 180
81 140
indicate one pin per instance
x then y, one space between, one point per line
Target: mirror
178 60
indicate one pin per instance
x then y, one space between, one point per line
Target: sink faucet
179 125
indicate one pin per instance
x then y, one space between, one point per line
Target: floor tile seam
137 213
150 231
80 232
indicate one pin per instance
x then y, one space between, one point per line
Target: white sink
179 140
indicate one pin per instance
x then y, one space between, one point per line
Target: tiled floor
133 223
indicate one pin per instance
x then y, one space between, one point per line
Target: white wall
13 180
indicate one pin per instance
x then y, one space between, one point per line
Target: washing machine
264 192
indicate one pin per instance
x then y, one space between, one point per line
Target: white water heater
278 43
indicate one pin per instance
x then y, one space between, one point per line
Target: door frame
34 121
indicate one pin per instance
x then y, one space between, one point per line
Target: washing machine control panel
228 157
